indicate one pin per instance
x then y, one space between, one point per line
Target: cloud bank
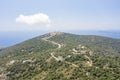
38 18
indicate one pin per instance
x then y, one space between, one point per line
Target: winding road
59 46
53 42
89 63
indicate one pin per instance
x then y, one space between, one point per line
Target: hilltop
62 56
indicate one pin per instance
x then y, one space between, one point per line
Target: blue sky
62 15
24 19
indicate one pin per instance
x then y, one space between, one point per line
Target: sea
10 38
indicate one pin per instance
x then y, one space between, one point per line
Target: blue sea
13 37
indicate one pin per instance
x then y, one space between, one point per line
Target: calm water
12 38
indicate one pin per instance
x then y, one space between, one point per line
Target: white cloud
38 18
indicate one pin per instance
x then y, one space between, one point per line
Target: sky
59 15
24 19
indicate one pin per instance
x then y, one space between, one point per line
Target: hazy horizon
22 20
15 37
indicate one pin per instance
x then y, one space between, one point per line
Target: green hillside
62 56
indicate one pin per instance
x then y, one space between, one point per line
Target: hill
62 56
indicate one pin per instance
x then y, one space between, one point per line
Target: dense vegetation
100 44
82 57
